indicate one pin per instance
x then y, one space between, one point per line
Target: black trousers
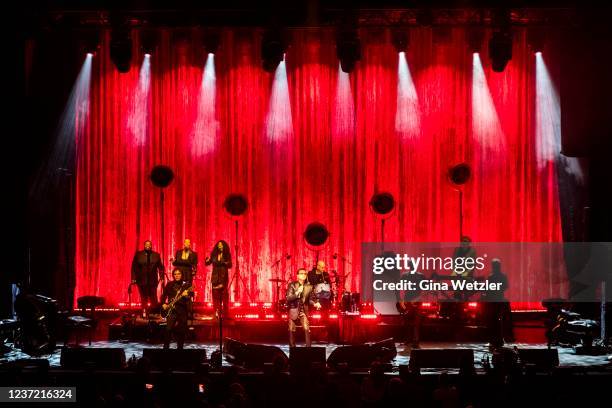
499 322
176 322
221 296
148 294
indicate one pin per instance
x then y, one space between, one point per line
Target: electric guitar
181 294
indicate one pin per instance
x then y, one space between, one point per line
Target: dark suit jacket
147 272
293 301
188 266
220 273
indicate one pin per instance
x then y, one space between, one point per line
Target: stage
568 359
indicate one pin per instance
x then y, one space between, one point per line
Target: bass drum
323 291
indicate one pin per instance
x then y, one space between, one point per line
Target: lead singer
221 260
299 297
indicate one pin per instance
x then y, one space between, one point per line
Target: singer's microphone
288 256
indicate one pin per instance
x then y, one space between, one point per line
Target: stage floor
567 356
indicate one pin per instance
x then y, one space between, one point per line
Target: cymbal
277 280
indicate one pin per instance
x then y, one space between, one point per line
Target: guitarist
176 300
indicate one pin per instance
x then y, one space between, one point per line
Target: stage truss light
91 42
500 50
475 38
211 40
348 49
400 39
121 48
273 49
535 39
148 42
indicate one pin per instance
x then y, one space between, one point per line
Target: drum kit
331 295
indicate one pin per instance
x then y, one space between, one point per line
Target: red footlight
267 305
316 316
253 304
237 304
369 316
333 316
472 305
270 316
428 306
283 316
251 316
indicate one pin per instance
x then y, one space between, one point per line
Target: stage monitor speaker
539 358
360 357
107 358
252 356
301 358
357 357
441 358
173 359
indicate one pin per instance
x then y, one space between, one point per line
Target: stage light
343 120
211 41
407 114
206 126
400 39
548 124
475 38
500 50
121 48
138 118
486 127
272 49
91 42
348 49
148 42
279 122
535 39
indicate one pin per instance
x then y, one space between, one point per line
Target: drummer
319 279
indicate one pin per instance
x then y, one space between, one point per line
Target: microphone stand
275 265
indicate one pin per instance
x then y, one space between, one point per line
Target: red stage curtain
325 170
